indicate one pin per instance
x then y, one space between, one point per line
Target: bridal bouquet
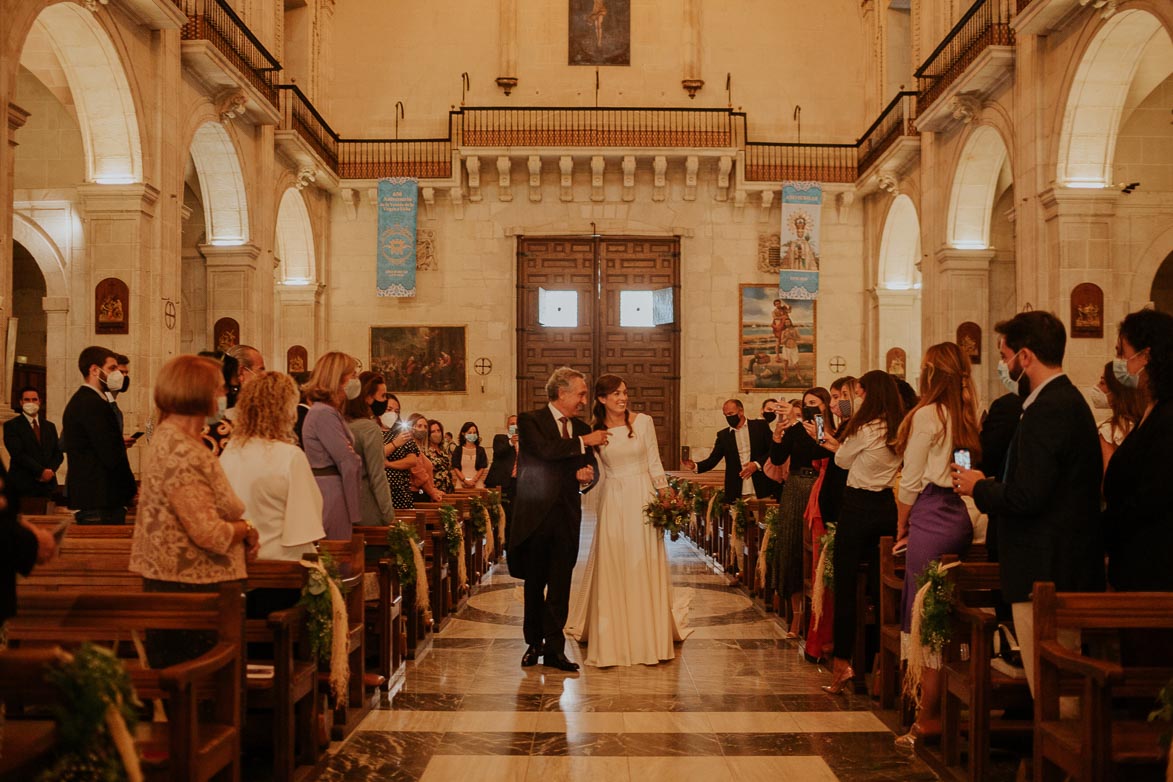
668 511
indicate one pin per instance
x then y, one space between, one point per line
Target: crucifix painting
600 32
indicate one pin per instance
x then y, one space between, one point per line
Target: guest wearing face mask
744 445
423 484
438 456
99 483
374 494
400 454
219 425
34 453
112 395
1137 486
1126 407
329 445
470 463
844 403
503 471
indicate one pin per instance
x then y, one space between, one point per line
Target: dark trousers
864 518
101 516
547 587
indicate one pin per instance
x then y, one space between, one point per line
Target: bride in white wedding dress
624 607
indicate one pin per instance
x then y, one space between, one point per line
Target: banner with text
802 203
398 203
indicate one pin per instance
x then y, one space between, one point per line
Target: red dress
818 635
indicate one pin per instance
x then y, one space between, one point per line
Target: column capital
300 294
232 256
55 303
16 117
96 200
950 259
1078 202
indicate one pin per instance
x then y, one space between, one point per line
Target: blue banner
398 203
802 286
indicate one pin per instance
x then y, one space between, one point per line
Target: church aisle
736 703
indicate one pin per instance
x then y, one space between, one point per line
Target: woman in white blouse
868 511
269 473
931 519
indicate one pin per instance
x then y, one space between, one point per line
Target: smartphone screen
961 458
819 434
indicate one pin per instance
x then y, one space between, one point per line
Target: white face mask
352 388
389 419
31 409
114 380
1099 399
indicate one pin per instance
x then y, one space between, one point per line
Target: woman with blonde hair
329 444
269 472
191 535
930 518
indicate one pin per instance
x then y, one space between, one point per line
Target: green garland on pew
936 626
319 610
739 510
827 543
1165 712
399 539
773 522
495 508
89 684
451 518
479 514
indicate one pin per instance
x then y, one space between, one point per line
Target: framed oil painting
777 348
421 359
600 32
969 339
226 334
1087 311
111 307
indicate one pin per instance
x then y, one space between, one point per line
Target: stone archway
51 262
295 240
1096 100
975 187
898 286
221 186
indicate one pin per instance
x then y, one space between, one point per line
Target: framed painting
600 32
226 334
297 360
421 359
111 307
969 339
896 363
777 349
1087 311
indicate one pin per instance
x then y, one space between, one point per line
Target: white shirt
870 463
558 416
928 454
742 437
280 495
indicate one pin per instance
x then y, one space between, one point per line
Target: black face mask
125 383
769 417
733 420
810 411
378 408
233 391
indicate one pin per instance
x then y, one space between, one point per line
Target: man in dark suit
555 465
503 471
99 483
744 446
21 546
33 449
1048 507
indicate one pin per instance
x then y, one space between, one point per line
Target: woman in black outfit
868 511
795 444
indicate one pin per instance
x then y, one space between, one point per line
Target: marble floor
738 702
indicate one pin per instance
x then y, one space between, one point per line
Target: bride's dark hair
608 384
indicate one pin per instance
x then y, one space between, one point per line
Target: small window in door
645 309
557 309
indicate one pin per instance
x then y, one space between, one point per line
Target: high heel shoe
841 682
795 629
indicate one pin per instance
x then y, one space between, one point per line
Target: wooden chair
1109 740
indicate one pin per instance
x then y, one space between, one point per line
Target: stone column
60 367
507 44
964 294
232 288
692 81
299 322
898 326
16 119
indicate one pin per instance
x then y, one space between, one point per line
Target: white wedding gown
624 608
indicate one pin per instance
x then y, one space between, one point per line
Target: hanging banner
802 204
398 203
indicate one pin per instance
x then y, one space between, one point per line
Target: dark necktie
36 430
565 427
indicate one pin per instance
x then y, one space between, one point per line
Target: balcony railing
771 162
1022 4
428 158
299 115
985 24
215 21
596 127
895 121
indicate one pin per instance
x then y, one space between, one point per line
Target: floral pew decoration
403 541
327 623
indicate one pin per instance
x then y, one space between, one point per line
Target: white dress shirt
742 437
928 454
870 463
558 416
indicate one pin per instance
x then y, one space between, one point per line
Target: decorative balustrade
895 121
985 24
772 162
299 115
596 127
427 158
216 22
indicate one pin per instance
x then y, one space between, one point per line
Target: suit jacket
501 470
1139 516
998 429
547 489
99 474
30 457
18 549
1048 510
725 447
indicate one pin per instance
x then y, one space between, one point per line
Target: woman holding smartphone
930 518
868 512
801 446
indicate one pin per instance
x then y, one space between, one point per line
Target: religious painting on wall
297 360
421 359
600 32
1087 311
969 339
226 334
777 341
896 363
111 307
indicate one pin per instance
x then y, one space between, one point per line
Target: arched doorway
1161 294
298 301
898 291
30 363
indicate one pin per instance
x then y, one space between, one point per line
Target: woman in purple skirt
931 519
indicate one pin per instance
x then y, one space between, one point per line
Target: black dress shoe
560 662
530 658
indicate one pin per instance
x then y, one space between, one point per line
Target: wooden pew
387 619
350 557
890 618
1108 741
434 542
185 747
